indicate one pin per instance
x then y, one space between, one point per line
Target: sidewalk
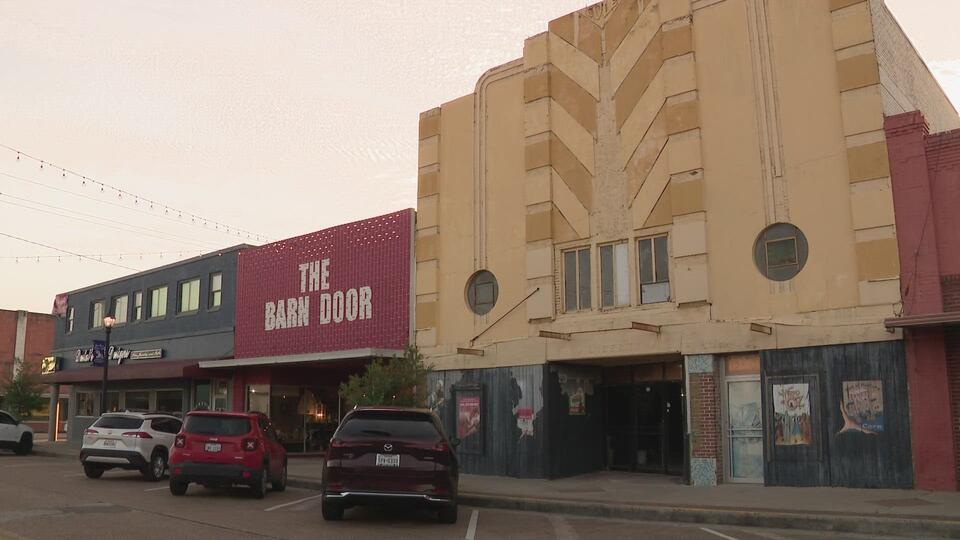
660 498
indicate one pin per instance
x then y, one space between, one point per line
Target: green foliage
400 381
21 394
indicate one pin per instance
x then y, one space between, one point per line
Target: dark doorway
645 427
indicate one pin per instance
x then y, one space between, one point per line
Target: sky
243 121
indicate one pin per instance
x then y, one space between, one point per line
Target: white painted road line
715 533
472 528
284 505
156 489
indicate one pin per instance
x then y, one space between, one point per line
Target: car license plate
109 443
212 447
388 460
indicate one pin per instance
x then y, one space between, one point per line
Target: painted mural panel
791 413
862 407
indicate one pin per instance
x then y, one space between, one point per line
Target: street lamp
108 326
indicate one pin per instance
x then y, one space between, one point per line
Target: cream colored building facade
706 121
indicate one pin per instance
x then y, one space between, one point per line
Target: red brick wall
8 342
706 441
950 285
952 346
39 339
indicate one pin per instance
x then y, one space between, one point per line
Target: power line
120 256
67 252
137 198
118 225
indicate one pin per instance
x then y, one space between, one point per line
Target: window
70 314
170 401
654 270
85 403
576 279
136 401
189 296
6 419
614 272
230 426
216 287
780 251
158 302
138 306
482 292
96 314
166 425
120 309
118 422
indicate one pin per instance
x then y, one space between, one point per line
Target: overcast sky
280 118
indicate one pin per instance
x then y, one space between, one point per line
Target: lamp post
108 326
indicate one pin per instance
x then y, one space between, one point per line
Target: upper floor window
138 306
780 252
96 314
654 269
614 275
120 309
70 314
189 296
482 292
576 279
216 290
158 302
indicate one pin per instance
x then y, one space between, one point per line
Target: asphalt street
44 497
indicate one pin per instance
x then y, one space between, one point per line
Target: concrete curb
862 524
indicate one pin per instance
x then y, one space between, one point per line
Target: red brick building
925 175
26 338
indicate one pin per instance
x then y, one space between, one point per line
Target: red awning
926 320
147 370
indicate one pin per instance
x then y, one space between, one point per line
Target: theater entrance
645 418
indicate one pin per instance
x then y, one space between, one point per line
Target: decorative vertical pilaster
703 420
427 235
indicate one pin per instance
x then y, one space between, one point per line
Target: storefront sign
862 407
146 354
49 365
119 354
347 287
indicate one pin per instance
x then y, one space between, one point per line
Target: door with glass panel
744 430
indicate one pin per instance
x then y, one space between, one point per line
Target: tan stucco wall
706 120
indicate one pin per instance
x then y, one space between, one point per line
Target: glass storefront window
201 396
137 401
113 401
170 401
86 403
258 398
221 395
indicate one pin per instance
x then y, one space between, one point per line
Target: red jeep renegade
226 449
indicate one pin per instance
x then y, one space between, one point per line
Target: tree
400 381
21 394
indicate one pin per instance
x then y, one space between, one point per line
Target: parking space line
284 505
156 488
472 528
715 533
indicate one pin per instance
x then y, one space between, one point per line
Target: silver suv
129 440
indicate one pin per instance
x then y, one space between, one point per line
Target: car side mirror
454 442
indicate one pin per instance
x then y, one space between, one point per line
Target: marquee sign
119 354
346 287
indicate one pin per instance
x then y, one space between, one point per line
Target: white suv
129 440
15 435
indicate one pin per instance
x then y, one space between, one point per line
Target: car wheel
156 467
260 488
331 511
92 471
448 513
178 488
280 485
25 446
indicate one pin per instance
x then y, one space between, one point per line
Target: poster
525 421
861 407
578 402
468 415
791 408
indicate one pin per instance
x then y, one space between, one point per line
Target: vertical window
158 302
120 309
96 314
189 296
614 272
70 314
654 270
576 279
138 306
216 286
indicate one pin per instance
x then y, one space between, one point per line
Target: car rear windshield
218 425
118 422
396 426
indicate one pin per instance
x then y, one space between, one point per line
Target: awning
331 356
163 369
926 320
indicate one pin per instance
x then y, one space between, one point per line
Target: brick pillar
703 425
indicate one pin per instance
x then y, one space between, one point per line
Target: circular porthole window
482 292
780 251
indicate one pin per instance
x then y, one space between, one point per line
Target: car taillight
337 443
441 446
180 441
137 435
89 431
250 445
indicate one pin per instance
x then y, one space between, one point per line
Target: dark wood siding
576 441
850 458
